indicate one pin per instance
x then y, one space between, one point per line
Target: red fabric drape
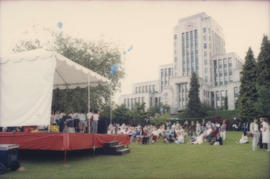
59 141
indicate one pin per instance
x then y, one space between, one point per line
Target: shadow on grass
46 155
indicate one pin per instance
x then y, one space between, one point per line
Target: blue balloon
59 24
114 68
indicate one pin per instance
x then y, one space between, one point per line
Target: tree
194 103
226 103
121 115
152 111
263 102
248 93
98 57
160 119
263 67
263 79
138 114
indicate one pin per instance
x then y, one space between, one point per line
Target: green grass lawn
155 161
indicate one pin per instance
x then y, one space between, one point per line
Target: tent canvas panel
27 80
26 92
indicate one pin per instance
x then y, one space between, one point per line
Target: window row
129 102
166 72
145 89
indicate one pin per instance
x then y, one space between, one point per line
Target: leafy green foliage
160 119
248 91
121 114
263 103
194 104
263 79
263 67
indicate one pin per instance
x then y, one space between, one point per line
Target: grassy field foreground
155 161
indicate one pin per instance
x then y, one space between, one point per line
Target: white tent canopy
27 80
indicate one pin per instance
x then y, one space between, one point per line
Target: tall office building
199 47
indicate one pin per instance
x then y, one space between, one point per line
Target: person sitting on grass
213 134
244 139
180 139
145 134
192 139
199 139
170 136
155 135
218 140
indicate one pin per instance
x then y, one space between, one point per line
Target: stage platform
60 141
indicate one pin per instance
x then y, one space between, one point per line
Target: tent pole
111 108
88 93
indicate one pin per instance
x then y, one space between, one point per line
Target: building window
187 39
205 61
219 63
191 39
217 96
230 78
230 71
204 30
205 46
236 92
175 36
161 73
205 53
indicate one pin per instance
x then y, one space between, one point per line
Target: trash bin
9 157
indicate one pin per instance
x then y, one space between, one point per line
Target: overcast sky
148 26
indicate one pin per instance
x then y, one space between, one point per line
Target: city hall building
199 47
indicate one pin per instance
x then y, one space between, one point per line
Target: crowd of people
190 132
76 121
195 133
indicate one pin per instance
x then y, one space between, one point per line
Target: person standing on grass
223 130
254 129
266 133
260 130
95 121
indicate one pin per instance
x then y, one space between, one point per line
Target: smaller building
145 92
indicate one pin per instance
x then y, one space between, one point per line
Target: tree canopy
194 104
248 91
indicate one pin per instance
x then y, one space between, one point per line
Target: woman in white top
254 129
244 139
266 133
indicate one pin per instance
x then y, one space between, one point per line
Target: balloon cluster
114 68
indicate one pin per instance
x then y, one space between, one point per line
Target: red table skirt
60 141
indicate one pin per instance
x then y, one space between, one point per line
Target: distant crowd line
195 132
